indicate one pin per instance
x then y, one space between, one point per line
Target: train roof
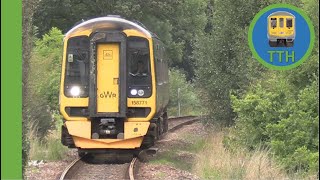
281 13
110 22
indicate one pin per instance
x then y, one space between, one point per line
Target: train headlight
133 92
75 91
141 92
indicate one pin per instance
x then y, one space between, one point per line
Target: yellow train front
114 85
281 29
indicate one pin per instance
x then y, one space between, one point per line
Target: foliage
49 50
188 95
27 20
49 148
274 115
175 22
44 78
260 106
222 56
295 138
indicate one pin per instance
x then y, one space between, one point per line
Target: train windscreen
77 67
138 57
273 22
289 22
281 22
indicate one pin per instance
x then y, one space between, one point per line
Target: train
281 29
114 88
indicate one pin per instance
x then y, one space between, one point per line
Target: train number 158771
139 102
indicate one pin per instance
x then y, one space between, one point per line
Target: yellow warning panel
108 77
107 143
135 129
79 128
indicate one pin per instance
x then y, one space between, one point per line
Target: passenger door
108 78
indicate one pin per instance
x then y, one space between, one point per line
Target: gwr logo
108 95
107 54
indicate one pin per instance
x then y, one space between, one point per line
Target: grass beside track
48 149
211 160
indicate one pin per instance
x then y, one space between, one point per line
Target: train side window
273 22
161 61
289 22
166 68
156 59
161 70
165 61
281 22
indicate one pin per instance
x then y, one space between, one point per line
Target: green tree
295 139
44 80
176 22
272 114
222 56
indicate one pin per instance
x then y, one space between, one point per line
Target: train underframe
157 127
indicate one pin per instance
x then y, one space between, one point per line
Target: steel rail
69 169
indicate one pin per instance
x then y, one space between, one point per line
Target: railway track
81 169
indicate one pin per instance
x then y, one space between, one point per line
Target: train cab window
289 22
139 67
273 22
77 67
138 61
281 22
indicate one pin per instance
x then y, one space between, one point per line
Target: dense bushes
44 79
295 138
273 114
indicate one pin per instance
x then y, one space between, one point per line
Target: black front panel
138 112
107 128
77 111
108 37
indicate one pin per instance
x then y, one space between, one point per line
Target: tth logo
281 36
